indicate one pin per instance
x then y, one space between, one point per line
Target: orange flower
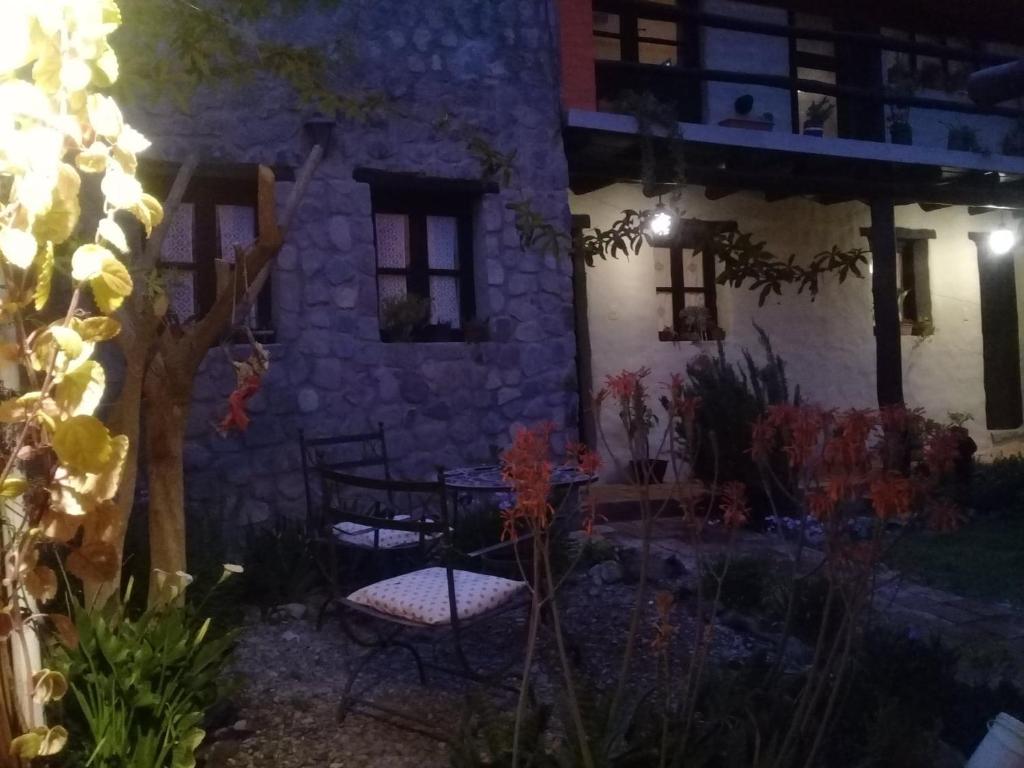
526 466
941 451
890 495
735 511
623 385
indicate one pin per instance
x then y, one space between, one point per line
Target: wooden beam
888 340
904 233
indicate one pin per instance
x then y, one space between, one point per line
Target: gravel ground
291 678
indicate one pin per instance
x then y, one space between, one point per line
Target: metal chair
343 453
431 600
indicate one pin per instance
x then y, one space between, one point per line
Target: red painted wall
577 41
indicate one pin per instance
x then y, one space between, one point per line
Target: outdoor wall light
660 223
1001 241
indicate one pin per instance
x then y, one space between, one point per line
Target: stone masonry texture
488 64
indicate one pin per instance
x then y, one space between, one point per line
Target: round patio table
488 479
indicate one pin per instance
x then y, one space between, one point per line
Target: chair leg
420 667
348 700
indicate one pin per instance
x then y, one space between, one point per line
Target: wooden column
581 312
888 355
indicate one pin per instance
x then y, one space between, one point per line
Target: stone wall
489 64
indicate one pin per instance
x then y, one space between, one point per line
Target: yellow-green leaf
97 328
83 444
87 261
28 745
44 280
49 684
67 340
18 247
93 159
109 230
80 391
111 285
13 486
60 220
18 408
104 115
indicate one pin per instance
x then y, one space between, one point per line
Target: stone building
399 203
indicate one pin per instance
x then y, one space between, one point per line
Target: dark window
688 308
216 217
913 283
626 33
425 251
812 60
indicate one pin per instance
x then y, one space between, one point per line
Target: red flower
527 468
735 511
623 385
891 495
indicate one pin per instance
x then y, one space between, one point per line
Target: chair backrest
423 505
342 453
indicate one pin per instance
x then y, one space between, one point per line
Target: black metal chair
444 598
343 453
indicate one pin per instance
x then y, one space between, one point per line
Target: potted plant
743 107
639 418
963 138
667 334
403 317
900 130
818 113
901 83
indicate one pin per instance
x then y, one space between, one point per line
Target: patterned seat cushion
422 596
364 536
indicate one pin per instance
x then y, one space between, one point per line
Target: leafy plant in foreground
140 686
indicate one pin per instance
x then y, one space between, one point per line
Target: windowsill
435 334
715 334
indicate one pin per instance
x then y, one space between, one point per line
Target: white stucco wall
828 344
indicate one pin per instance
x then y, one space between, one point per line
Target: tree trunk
166 414
125 419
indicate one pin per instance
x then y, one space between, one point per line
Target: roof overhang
605 148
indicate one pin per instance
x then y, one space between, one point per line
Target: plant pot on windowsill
814 128
901 133
907 327
648 471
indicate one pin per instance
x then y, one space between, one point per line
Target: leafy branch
744 260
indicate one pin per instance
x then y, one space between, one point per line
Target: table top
488 478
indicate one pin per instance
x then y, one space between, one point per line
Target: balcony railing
675 53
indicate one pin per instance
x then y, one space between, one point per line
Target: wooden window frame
417 205
806 60
687 40
678 289
205 193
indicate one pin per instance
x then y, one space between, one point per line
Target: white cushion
422 596
357 535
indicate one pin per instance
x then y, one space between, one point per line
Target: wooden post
584 372
888 355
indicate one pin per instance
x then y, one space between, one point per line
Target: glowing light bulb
660 224
1001 241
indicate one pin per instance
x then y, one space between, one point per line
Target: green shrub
140 685
999 485
732 398
280 563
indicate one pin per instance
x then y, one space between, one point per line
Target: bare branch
257 262
156 239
